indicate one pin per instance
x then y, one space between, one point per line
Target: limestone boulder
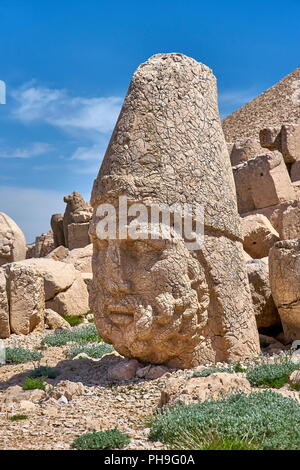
25 287
77 211
53 320
244 150
78 235
12 241
4 309
265 310
284 266
123 370
167 301
181 391
270 138
58 230
259 235
73 301
80 258
290 142
57 276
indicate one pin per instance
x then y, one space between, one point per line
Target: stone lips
153 299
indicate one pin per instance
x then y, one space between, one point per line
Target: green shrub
295 387
73 320
18 417
266 420
20 355
111 439
271 375
211 370
93 351
81 335
32 384
44 371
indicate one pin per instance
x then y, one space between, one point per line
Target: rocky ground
83 398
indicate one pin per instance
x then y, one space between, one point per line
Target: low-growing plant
110 439
32 384
81 335
93 351
20 355
211 370
73 320
295 387
18 417
45 371
265 420
271 375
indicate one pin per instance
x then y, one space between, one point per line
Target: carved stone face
153 298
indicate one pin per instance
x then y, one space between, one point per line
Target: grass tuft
271 375
81 335
45 371
17 417
93 351
263 420
33 384
20 355
110 439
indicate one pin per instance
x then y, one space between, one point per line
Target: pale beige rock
284 261
290 142
53 320
68 389
259 235
78 235
4 309
159 302
295 377
44 244
180 391
265 310
244 150
81 258
26 297
262 182
77 211
58 230
270 138
12 241
73 301
57 276
123 370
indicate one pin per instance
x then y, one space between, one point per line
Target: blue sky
67 65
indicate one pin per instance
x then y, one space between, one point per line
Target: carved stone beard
153 301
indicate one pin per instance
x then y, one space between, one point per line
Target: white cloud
31 208
231 100
86 153
57 108
32 150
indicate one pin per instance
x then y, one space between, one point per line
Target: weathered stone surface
155 300
295 377
81 258
180 391
73 301
57 276
284 217
278 105
12 241
295 176
262 182
270 138
53 320
290 142
284 262
244 150
265 310
78 235
26 298
69 389
259 235
4 309
58 230
124 370
77 211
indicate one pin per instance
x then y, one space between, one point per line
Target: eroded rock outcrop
12 241
155 300
259 235
284 266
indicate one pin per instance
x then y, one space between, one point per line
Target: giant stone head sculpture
154 298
